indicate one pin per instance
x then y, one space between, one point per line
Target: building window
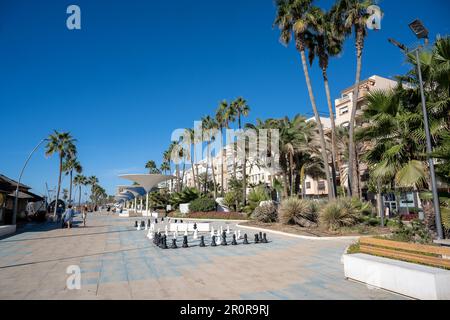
308 185
321 185
343 110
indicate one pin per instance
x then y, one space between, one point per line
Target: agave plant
297 211
337 214
265 213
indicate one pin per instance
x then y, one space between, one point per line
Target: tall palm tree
191 154
208 126
222 120
152 167
241 109
296 17
93 182
351 16
327 41
69 166
63 144
79 180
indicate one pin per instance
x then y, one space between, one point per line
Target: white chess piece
219 238
212 231
185 232
152 226
159 230
166 231
146 226
195 236
221 230
228 229
236 234
239 234
175 235
150 235
138 227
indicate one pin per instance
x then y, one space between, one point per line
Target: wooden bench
410 252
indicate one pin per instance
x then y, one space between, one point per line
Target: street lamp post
16 194
422 33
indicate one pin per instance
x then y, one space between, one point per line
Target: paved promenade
118 262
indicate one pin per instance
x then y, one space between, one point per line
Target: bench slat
406 246
433 261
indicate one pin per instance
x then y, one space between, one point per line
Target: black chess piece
162 219
176 220
213 242
142 224
181 221
185 242
245 239
155 238
174 244
224 239
156 220
256 238
148 222
202 241
164 244
260 236
234 242
135 224
264 239
195 225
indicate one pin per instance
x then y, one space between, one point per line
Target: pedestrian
84 215
68 217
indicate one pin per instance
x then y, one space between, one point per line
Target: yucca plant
255 197
297 211
266 213
337 214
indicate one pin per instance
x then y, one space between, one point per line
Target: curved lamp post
16 194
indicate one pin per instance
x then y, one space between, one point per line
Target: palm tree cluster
394 135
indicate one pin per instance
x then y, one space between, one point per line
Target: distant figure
68 217
59 212
84 215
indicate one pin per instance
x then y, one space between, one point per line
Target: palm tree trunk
285 184
193 170
380 203
319 125
291 167
213 171
244 177
79 197
70 187
59 186
221 163
351 146
333 130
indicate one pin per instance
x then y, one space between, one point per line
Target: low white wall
409 279
6 230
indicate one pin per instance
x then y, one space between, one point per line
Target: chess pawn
195 236
202 241
228 229
224 239
135 224
264 240
245 239
234 242
185 242
213 242
239 235
256 238
181 221
174 244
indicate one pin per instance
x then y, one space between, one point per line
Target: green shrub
185 196
415 232
338 213
202 205
255 196
297 211
266 213
360 207
230 199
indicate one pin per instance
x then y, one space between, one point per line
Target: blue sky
139 69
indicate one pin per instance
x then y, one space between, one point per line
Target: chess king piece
256 238
202 241
264 240
228 229
195 236
164 245
245 239
185 242
224 239
174 244
234 242
213 241
135 224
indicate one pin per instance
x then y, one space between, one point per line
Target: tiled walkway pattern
118 262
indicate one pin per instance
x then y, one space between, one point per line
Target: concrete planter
409 279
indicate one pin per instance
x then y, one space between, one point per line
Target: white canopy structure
146 181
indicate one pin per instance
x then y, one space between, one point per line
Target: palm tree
351 16
79 180
69 166
63 144
222 119
326 42
152 167
241 109
296 17
191 155
209 125
92 181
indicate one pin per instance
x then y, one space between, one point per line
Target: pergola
147 181
133 192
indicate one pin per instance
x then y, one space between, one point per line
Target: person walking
68 217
